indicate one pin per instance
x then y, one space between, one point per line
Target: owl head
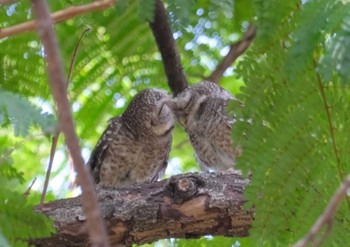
194 99
148 114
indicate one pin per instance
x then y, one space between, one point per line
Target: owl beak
233 98
171 103
180 102
162 104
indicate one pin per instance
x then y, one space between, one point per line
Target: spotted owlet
135 146
200 109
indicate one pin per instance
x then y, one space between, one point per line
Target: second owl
200 109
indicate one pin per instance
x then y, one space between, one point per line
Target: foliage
19 221
293 128
21 114
146 10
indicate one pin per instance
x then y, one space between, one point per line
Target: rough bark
184 206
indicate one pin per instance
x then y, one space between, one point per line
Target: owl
200 109
135 146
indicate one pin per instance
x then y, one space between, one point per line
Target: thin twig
324 235
49 167
180 144
58 132
330 125
72 62
235 51
27 192
95 224
331 128
327 216
171 59
58 16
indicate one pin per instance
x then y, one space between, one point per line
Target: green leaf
22 223
121 6
314 21
226 6
146 10
179 11
271 18
22 114
337 57
284 129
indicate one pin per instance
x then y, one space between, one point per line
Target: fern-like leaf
179 11
337 56
225 6
146 10
292 129
16 228
19 221
314 23
21 114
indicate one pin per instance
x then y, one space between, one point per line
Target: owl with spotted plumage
200 109
135 146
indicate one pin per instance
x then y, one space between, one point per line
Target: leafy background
294 128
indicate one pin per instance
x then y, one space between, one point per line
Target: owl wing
98 154
213 144
152 161
164 156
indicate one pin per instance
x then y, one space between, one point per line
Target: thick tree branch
184 206
167 47
58 85
235 51
58 16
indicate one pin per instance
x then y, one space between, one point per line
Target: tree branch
58 131
184 206
59 90
54 142
58 16
327 217
236 50
171 59
4 2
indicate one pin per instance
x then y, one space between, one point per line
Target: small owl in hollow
200 109
135 146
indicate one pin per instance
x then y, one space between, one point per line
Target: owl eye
188 105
